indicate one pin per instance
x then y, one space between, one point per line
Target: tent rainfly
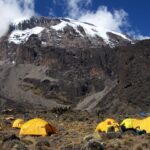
37 126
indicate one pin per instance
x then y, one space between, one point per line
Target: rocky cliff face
62 62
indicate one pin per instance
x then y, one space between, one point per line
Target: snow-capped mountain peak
63 28
90 30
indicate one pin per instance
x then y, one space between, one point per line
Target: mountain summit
53 62
64 32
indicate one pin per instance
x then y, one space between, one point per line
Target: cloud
136 35
14 9
28 6
141 37
113 20
104 18
76 7
116 20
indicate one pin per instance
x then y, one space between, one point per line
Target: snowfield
89 30
21 36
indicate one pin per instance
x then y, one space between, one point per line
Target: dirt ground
73 129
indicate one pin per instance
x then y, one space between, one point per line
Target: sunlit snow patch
121 35
21 36
90 30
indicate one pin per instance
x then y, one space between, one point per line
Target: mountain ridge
61 26
61 68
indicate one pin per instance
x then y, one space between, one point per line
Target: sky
127 16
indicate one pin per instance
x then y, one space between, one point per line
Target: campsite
70 130
74 75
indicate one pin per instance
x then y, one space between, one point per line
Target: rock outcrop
70 68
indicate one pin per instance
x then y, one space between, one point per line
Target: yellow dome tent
106 125
18 123
145 125
37 126
131 123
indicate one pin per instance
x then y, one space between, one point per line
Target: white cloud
76 7
137 36
116 20
142 37
28 6
73 8
103 18
14 9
